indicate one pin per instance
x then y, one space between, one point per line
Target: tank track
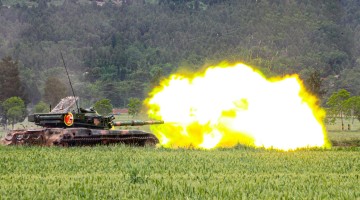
65 140
134 141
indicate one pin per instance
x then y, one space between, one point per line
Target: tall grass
114 172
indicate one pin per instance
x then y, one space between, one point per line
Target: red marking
69 119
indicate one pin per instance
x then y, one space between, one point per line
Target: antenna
69 81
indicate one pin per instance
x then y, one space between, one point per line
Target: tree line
121 52
13 107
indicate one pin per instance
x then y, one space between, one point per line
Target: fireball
230 105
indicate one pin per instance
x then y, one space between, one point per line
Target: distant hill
123 48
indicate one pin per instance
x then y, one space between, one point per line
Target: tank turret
66 120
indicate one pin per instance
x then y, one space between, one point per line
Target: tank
62 127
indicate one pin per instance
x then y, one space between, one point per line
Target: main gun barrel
136 123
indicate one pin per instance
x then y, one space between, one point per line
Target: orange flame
230 105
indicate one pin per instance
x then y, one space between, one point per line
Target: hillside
121 51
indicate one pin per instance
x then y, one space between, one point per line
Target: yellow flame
230 105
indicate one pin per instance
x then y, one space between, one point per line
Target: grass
354 125
113 172
345 137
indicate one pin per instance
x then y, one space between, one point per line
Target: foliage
30 84
14 110
103 106
352 106
122 51
341 104
41 107
337 104
119 172
349 79
134 106
314 84
9 79
54 91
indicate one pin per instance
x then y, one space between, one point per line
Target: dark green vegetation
145 173
120 52
103 107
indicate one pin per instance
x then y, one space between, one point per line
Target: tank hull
78 137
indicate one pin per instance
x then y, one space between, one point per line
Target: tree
14 110
103 107
10 84
54 91
41 107
30 82
352 106
156 74
313 84
111 92
337 105
134 106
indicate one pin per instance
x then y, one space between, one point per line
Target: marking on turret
69 119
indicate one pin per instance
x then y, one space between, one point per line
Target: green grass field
120 172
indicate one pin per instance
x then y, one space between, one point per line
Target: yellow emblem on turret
69 119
